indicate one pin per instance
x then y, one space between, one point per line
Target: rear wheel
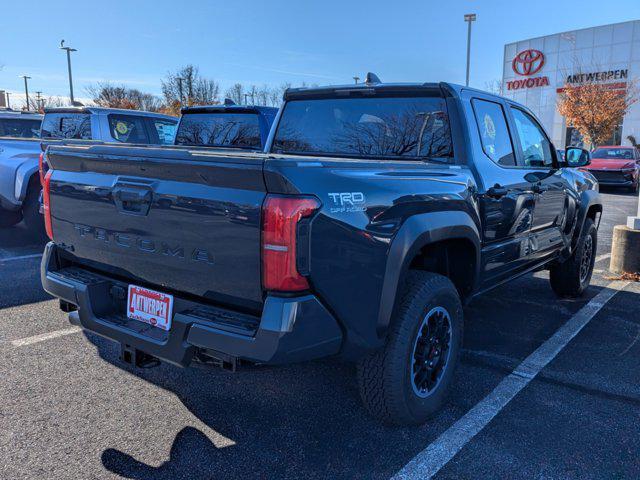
33 219
406 381
572 277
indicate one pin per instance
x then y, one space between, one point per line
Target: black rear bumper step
289 329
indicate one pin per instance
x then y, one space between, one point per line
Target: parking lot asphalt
70 409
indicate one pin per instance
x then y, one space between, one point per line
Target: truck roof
10 113
306 92
229 109
106 110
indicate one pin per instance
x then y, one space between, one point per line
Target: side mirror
577 157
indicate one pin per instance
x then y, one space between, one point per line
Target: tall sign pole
26 89
69 50
469 18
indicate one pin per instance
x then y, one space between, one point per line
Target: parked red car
616 166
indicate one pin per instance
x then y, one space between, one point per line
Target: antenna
228 102
371 78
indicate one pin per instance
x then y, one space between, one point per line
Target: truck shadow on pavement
188 439
306 420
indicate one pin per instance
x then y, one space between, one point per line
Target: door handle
497 191
132 199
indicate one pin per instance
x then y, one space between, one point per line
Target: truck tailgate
182 220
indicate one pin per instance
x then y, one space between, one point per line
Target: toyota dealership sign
536 71
526 64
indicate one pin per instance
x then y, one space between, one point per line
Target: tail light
282 217
43 166
47 203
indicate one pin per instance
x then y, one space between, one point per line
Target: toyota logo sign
528 62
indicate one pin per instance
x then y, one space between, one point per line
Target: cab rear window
404 128
236 130
19 127
67 125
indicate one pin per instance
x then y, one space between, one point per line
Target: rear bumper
289 329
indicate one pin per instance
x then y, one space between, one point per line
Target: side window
166 131
536 148
128 129
494 133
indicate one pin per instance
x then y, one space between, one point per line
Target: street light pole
26 89
469 17
69 50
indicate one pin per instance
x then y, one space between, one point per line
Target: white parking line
20 257
429 462
44 336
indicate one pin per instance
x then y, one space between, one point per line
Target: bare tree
494 86
105 94
187 87
236 93
265 96
38 104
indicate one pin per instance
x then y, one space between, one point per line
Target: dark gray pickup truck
373 214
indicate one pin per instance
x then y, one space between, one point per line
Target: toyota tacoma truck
19 158
373 214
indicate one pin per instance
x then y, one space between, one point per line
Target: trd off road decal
347 202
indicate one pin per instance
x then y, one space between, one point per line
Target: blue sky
270 42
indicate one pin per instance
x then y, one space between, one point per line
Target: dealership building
536 70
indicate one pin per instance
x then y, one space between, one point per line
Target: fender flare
24 174
417 232
588 199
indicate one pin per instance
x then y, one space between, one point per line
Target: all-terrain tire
385 377
33 219
572 277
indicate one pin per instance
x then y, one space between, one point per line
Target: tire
386 377
9 218
572 277
33 219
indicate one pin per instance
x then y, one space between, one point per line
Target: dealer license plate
149 306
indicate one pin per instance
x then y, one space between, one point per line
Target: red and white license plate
149 306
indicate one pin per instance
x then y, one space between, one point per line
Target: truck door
534 153
506 198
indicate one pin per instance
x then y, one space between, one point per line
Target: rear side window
404 128
128 128
67 125
19 128
238 130
166 130
494 134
